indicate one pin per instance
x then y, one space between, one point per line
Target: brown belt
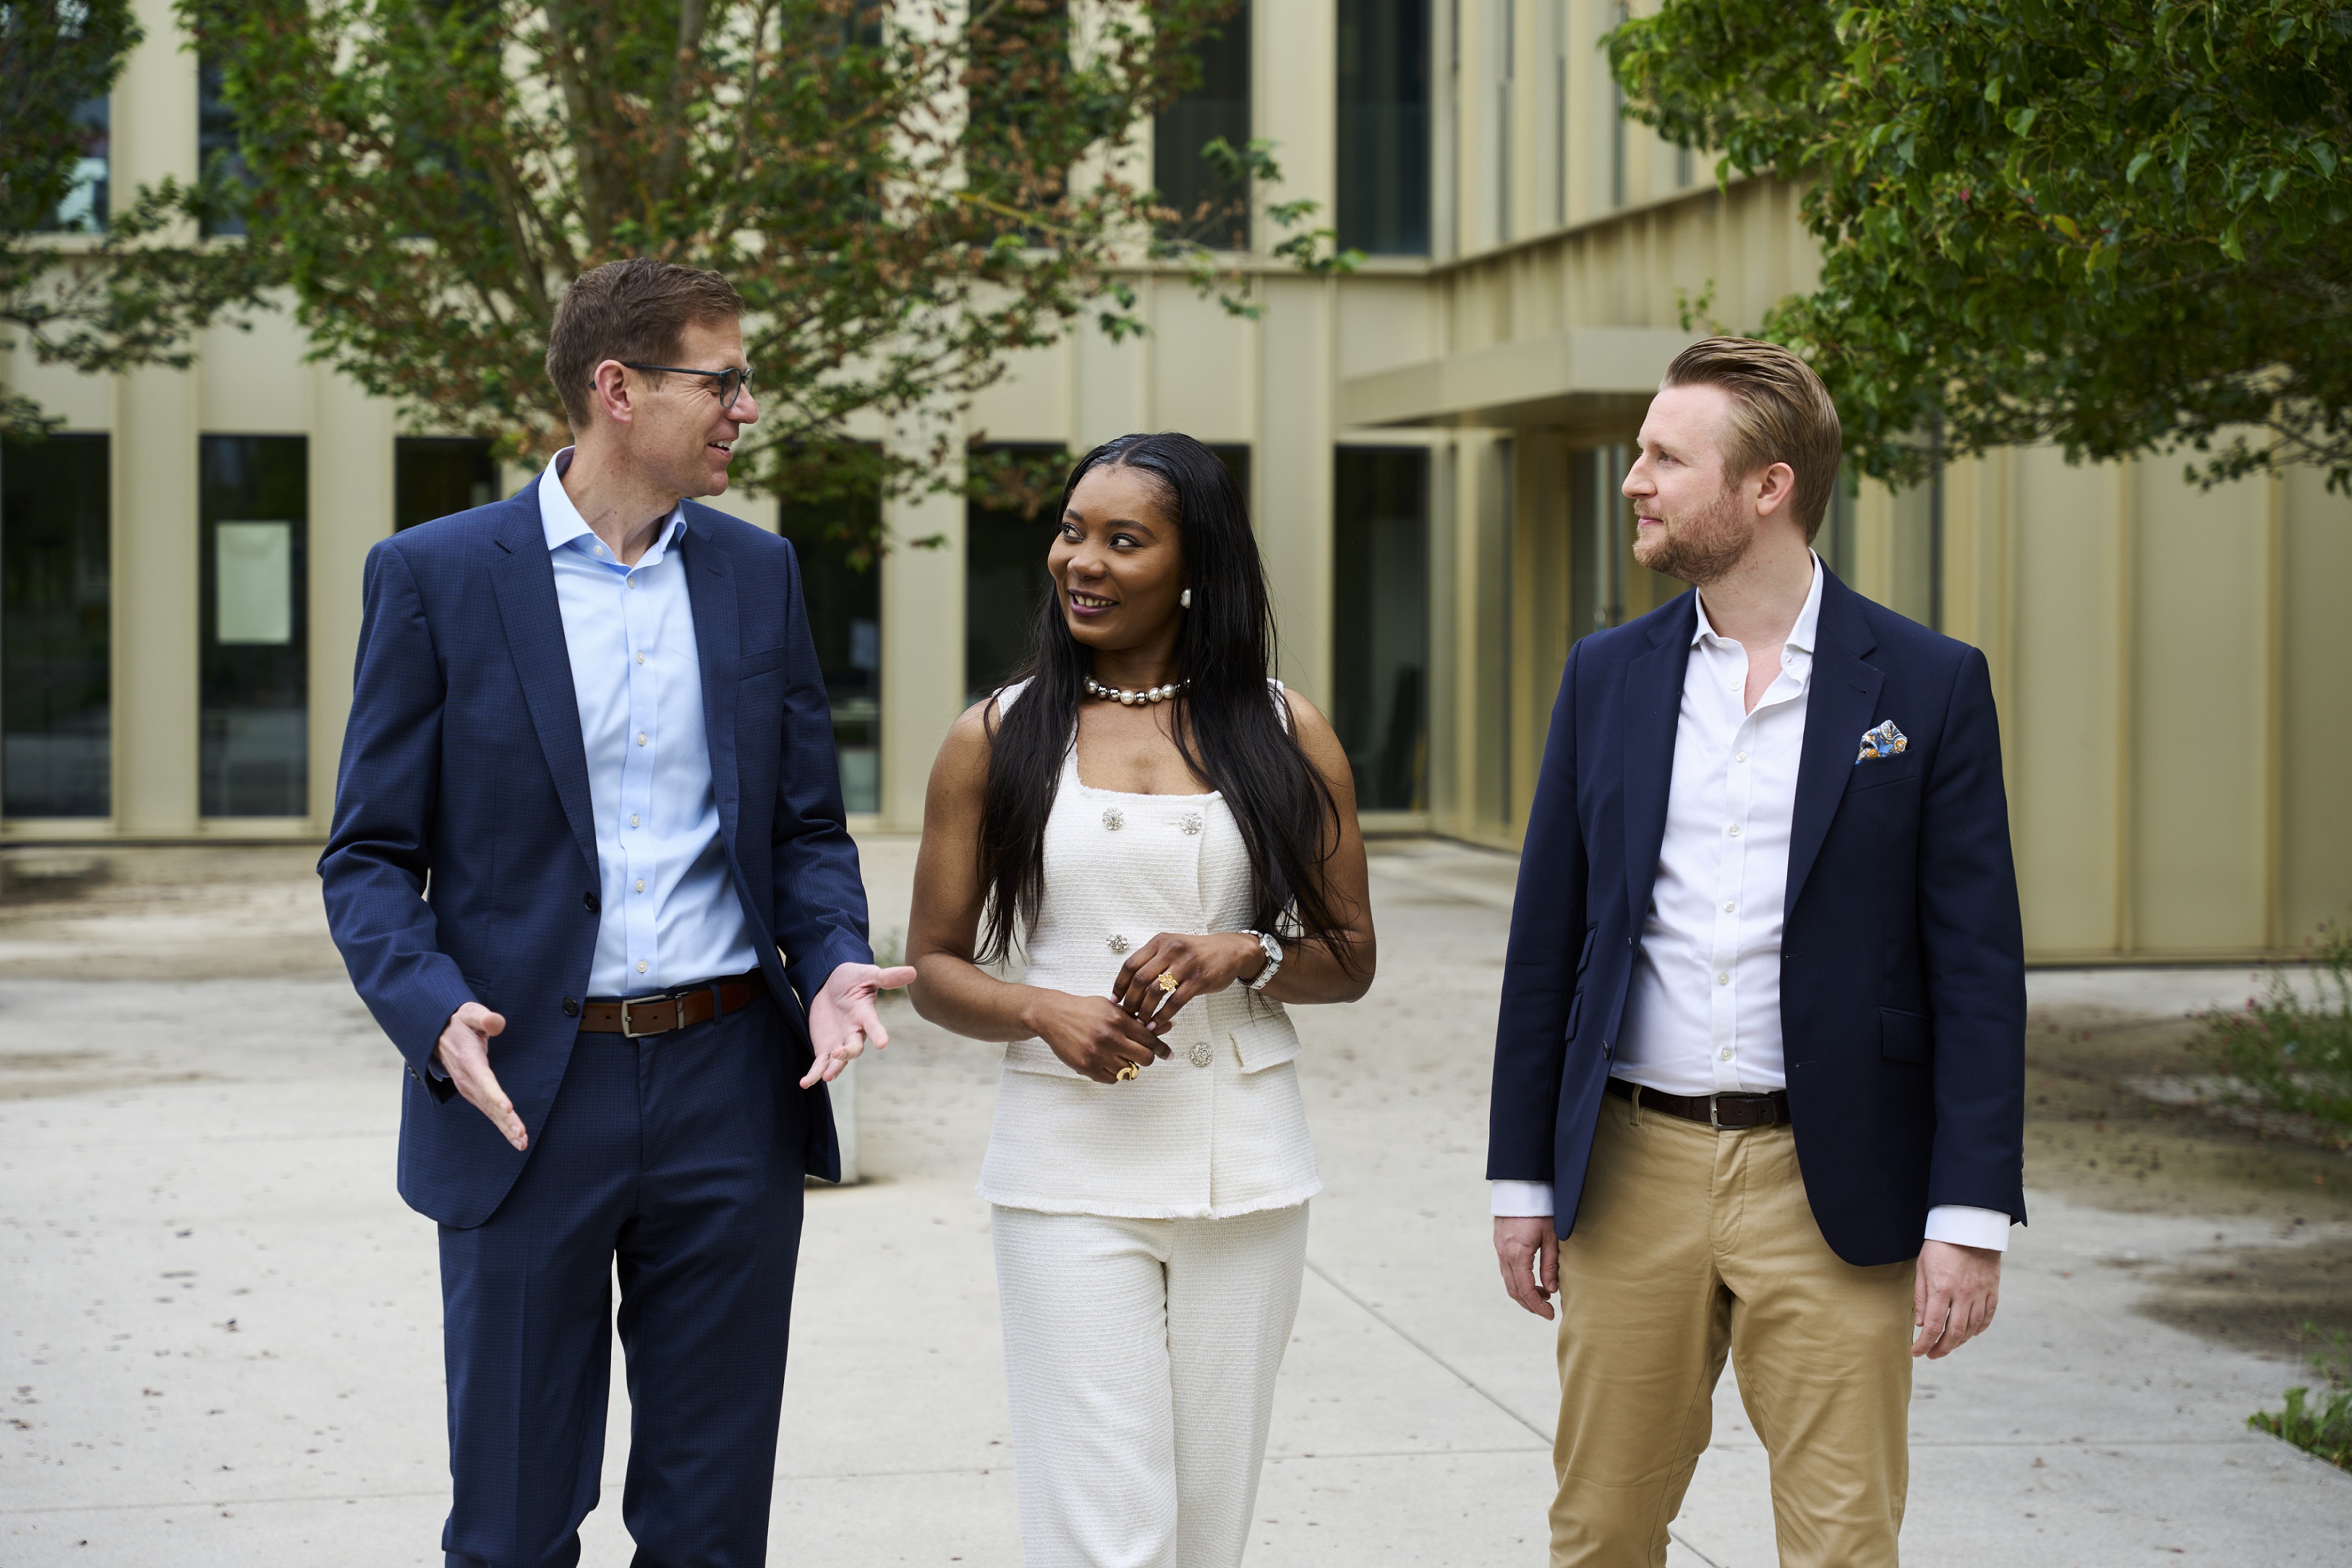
639 1016
1709 1109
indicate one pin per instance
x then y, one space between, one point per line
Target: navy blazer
463 862
1902 958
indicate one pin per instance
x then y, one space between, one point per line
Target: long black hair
1226 722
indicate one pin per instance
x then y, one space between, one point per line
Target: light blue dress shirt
670 914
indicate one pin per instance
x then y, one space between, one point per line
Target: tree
902 199
135 297
2117 225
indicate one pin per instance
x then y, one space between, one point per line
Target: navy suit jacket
1902 959
463 862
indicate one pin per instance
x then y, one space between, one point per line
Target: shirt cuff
1521 1199
1964 1227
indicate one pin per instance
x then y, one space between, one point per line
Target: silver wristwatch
1273 951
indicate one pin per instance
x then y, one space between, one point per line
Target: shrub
2323 1425
2291 1055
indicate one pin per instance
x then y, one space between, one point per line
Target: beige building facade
1431 447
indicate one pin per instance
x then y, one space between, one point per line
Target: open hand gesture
842 1017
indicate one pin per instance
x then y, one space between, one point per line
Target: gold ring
1167 980
1128 1073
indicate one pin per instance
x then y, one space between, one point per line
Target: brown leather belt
637 1017
1709 1109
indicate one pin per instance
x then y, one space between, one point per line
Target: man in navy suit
587 793
1759 1074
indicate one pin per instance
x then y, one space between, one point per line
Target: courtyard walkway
221 1325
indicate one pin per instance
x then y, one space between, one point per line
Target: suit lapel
1841 703
1654 703
523 579
711 591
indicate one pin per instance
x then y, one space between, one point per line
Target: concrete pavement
221 1330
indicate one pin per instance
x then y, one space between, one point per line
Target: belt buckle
1714 1109
627 1002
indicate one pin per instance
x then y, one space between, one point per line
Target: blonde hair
1781 413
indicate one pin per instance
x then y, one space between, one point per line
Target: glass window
1917 544
1004 583
216 139
843 588
1599 524
1617 191
55 620
1834 543
254 754
1383 194
1381 623
435 475
1213 212
84 208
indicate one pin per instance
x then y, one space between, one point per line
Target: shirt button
633 583
633 821
598 549
1728 905
641 966
1735 827
641 658
641 740
641 884
1739 756
1725 1053
1722 977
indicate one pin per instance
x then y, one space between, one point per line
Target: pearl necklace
1095 688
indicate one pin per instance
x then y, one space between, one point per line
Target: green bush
2322 1424
2294 1055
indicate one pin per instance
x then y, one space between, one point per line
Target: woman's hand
1091 1035
1203 965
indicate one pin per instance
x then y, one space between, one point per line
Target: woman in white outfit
1169 837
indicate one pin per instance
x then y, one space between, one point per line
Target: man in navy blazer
1759 1075
587 793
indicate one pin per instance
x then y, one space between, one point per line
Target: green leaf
2231 245
2140 160
2321 154
2020 120
2066 225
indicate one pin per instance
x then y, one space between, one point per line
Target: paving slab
221 1343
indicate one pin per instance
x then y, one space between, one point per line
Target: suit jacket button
570 1008
592 902
412 1072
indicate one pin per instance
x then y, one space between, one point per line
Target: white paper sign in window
254 582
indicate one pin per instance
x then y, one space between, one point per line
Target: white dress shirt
670 915
1704 1014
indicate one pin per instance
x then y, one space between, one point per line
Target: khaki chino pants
1691 1244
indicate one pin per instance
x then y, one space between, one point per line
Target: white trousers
1140 1356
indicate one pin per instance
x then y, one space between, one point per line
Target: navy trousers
675 1161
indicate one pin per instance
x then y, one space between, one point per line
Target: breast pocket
761 663
1904 770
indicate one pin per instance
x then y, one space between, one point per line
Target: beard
1700 548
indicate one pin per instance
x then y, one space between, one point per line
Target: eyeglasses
731 382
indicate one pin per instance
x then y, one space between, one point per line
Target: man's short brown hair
635 309
1781 413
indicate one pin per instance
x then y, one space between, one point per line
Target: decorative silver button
1201 1053
1114 818
1118 943
1190 822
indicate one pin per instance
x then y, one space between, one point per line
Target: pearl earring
1185 599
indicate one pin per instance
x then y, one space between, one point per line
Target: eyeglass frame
726 399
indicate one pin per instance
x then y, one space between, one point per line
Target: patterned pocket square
1883 741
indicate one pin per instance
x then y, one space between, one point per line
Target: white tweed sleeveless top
1218 1128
